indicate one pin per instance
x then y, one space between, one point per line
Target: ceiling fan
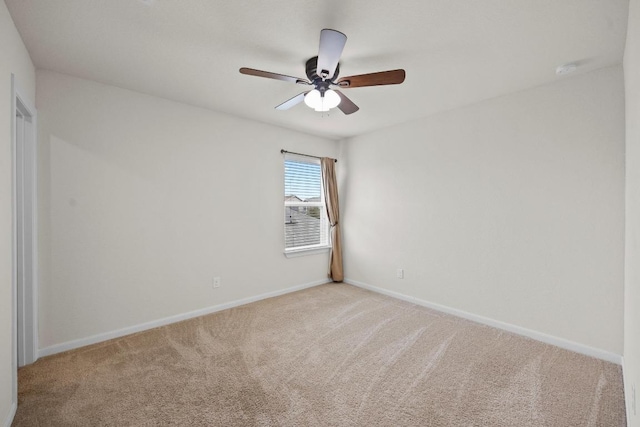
322 72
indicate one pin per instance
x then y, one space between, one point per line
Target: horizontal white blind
305 218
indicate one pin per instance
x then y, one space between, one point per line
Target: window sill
294 253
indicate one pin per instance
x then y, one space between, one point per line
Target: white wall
144 201
632 255
14 58
511 209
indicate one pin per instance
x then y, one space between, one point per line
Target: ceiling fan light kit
322 73
322 101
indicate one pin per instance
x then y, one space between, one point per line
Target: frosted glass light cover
315 100
312 99
331 99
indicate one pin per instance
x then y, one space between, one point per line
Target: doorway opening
25 331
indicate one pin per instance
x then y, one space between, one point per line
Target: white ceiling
455 52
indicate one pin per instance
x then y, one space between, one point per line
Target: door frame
28 295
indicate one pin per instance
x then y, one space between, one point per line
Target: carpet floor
332 355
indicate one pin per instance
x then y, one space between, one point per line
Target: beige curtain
333 211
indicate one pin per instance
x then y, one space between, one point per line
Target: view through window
305 214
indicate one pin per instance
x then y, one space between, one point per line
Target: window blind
305 216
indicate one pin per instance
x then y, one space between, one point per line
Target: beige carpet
333 355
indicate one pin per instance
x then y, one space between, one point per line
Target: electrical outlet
216 282
400 273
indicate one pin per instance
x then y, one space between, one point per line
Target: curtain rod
305 155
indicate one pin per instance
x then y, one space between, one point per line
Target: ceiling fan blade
292 102
331 45
269 75
392 77
346 105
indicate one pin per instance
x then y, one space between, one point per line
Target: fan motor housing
312 72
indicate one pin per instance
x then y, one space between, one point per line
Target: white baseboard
11 414
538 336
70 345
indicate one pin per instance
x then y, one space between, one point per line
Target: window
306 225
